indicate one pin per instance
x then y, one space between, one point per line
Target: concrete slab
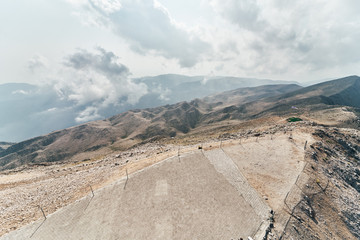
272 164
186 199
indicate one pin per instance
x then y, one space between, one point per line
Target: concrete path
225 165
187 199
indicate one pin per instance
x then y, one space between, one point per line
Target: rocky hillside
42 109
172 88
340 92
5 145
246 95
139 126
328 208
126 129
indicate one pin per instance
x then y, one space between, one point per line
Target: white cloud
106 6
207 78
149 29
280 36
51 109
243 13
89 114
95 81
23 92
164 93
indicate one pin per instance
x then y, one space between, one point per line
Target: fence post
41 222
42 211
92 191
93 195
179 153
285 200
127 178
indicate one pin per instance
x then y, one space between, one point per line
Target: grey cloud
219 67
230 47
96 82
37 62
104 63
315 34
150 29
244 13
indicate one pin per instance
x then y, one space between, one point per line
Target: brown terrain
195 170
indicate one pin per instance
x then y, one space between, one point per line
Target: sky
87 52
278 39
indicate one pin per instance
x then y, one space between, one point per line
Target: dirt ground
332 116
52 187
271 163
173 199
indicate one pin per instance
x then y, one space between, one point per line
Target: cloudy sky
85 52
280 39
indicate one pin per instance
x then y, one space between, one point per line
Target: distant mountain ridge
5 145
177 88
244 95
40 109
125 129
339 92
136 126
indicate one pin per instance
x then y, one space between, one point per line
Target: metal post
127 178
179 153
93 195
42 212
41 222
92 191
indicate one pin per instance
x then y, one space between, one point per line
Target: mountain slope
138 126
339 92
172 88
42 109
308 174
245 95
335 90
125 130
4 146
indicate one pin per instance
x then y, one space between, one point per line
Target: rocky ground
328 206
23 192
